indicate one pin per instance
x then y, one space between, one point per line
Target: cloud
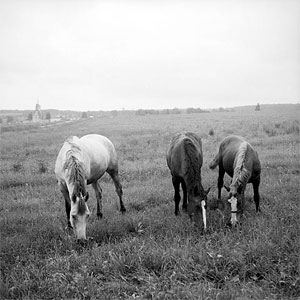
148 54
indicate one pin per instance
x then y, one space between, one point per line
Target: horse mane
81 206
76 169
193 168
241 174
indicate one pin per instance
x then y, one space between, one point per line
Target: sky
105 55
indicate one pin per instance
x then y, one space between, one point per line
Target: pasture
148 253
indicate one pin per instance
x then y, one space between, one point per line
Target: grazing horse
184 159
83 161
240 161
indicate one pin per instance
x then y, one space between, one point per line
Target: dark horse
240 161
184 159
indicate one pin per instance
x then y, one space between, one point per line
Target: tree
257 107
140 112
175 111
192 110
48 116
114 113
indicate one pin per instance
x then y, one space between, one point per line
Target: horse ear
86 197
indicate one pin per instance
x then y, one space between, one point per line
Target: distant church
37 115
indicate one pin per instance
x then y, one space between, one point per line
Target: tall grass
148 253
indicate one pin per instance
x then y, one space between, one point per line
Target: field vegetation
148 253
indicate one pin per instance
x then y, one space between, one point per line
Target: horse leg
98 193
220 180
66 195
114 174
242 202
176 184
184 203
255 185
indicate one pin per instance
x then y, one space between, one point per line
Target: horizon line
158 109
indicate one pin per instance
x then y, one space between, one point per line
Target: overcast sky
103 55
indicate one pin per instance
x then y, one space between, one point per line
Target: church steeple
37 106
37 114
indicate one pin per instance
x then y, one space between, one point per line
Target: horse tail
214 162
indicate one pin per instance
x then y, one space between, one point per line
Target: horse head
79 214
197 205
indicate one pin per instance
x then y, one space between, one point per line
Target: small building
37 115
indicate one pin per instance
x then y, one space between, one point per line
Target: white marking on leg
233 202
203 213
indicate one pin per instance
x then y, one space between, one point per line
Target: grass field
148 253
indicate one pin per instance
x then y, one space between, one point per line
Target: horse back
177 152
95 152
228 152
101 152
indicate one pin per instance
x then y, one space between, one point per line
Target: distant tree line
84 115
143 112
222 109
173 111
192 110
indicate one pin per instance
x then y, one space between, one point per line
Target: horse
240 161
185 159
80 162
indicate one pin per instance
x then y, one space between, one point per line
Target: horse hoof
99 216
123 210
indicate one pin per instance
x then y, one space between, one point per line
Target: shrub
17 167
42 167
269 130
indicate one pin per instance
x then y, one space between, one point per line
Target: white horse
83 161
